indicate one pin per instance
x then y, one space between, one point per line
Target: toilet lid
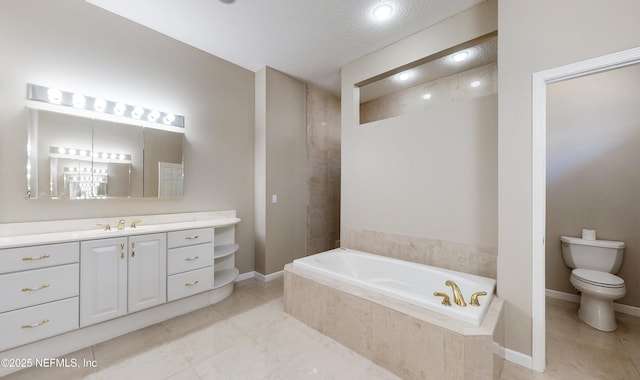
598 278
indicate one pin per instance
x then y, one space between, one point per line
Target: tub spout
457 294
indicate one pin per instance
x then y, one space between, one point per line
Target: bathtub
403 280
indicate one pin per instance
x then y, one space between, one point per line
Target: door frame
539 84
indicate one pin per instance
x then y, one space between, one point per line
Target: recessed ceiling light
404 76
382 12
475 83
460 56
426 96
228 1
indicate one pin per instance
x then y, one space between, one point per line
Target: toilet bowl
598 291
594 262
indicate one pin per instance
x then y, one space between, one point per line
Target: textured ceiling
308 39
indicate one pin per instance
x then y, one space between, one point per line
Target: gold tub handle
445 298
474 298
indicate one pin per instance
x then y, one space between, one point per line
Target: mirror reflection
462 72
73 157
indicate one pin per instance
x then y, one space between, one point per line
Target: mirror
466 71
78 157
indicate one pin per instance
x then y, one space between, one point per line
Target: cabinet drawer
189 283
189 237
39 256
38 286
38 322
189 258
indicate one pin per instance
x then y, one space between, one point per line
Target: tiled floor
248 336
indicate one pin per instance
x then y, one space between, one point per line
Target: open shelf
224 277
225 250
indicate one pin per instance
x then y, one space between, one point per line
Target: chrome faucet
457 294
121 223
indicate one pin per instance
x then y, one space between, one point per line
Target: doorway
539 120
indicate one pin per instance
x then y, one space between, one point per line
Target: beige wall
429 174
323 170
78 47
593 156
536 35
280 145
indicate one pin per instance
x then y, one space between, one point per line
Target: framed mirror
80 154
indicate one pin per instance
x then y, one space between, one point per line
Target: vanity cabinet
121 275
39 292
65 287
224 256
190 262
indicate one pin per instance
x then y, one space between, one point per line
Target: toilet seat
597 278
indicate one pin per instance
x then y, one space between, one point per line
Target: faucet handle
474 298
445 298
134 224
106 226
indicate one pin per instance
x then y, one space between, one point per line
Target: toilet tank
601 255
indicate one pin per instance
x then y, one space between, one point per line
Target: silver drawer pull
191 237
43 286
36 258
192 258
192 283
36 325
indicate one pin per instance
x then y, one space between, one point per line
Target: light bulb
169 118
113 156
426 96
404 76
121 157
104 156
54 95
154 115
119 109
72 152
100 105
460 56
82 153
79 100
382 12
137 112
475 83
62 151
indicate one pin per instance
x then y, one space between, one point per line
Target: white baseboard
245 276
269 277
620 308
259 276
513 356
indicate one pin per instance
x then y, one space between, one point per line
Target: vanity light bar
80 154
100 105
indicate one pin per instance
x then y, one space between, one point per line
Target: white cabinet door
103 280
147 271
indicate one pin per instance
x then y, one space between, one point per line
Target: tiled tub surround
481 261
128 278
406 281
410 341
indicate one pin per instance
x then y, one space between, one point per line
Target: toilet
594 263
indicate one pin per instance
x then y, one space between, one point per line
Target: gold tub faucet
457 294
